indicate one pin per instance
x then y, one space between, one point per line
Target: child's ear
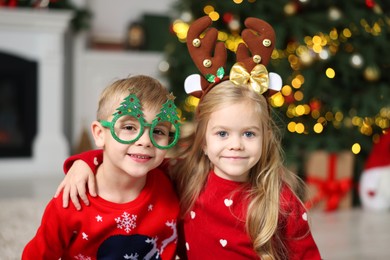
205 149
98 133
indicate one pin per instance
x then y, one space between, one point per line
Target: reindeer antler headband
251 57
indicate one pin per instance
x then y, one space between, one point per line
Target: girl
236 196
237 199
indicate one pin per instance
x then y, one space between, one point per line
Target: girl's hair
266 178
151 93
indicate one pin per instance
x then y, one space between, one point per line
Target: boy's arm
80 170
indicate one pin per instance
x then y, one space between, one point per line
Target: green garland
80 21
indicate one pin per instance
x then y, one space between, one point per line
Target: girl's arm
297 234
79 170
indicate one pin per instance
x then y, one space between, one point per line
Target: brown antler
260 41
201 51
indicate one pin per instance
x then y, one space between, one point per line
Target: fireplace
18 106
32 91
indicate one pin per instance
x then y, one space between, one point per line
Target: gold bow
258 78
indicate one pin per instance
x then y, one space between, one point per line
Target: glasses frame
143 124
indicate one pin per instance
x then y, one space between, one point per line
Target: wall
111 18
95 69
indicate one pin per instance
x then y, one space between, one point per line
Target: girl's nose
235 143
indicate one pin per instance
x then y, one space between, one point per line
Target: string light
208 9
330 73
214 16
318 128
356 148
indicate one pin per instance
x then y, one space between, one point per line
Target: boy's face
234 140
137 158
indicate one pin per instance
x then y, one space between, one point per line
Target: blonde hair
266 178
151 93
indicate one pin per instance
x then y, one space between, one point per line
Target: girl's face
234 140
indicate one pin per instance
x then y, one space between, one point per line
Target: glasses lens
127 128
164 133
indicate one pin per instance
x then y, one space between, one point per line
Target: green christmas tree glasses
128 124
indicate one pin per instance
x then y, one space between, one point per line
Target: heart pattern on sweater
228 202
223 242
193 214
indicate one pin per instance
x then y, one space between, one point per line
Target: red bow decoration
331 189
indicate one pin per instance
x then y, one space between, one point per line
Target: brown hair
149 91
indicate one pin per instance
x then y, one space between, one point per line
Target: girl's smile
233 140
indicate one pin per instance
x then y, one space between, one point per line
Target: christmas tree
333 57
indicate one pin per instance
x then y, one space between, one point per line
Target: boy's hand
74 185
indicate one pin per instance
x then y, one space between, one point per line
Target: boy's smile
138 158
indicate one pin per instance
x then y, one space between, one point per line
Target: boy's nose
144 140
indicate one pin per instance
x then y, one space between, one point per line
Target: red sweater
215 227
141 229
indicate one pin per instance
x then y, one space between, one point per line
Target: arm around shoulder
93 158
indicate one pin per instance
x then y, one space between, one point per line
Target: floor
341 235
352 234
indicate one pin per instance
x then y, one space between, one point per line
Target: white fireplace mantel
39 35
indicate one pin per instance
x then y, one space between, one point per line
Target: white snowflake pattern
85 236
82 257
127 222
131 257
96 161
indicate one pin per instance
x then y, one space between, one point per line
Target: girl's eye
222 133
249 134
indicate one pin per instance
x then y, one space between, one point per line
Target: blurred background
333 110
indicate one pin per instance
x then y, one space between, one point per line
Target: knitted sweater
215 227
144 228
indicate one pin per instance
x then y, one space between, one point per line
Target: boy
134 215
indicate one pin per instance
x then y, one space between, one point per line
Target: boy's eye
162 129
158 131
129 128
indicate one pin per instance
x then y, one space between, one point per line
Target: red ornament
370 3
12 3
227 17
315 105
289 99
171 29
